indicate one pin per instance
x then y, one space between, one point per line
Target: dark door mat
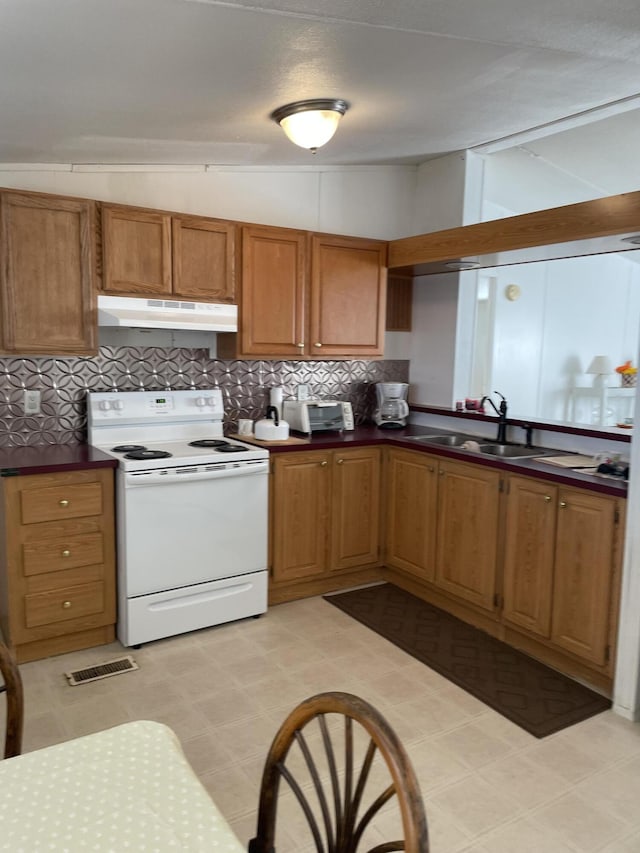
530 694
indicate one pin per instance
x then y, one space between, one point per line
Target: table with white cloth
126 788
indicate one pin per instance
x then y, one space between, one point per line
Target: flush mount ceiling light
310 123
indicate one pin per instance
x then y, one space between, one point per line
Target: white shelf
602 395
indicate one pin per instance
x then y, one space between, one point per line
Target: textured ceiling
191 81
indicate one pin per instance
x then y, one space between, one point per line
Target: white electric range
191 510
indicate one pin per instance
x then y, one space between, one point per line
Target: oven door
180 527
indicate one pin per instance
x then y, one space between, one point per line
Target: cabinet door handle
300 346
66 553
63 503
340 461
547 498
317 345
563 504
323 464
430 469
66 604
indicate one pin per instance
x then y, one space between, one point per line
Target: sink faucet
501 412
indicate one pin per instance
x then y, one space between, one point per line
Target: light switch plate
31 402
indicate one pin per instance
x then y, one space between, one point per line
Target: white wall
435 311
374 201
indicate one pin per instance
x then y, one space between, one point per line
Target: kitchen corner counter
52 458
363 436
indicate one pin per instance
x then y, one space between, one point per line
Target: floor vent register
101 670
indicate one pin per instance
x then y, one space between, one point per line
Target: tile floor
488 786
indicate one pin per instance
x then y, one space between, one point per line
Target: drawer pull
317 345
64 503
324 464
340 461
66 553
300 346
547 498
563 504
66 604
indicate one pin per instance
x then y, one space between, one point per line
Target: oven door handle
171 476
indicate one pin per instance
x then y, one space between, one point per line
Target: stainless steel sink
512 451
444 440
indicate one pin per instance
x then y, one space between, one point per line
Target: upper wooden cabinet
309 296
348 297
149 252
272 303
47 275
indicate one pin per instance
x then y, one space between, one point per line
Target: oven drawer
69 553
64 501
44 608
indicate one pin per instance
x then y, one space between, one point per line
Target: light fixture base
312 122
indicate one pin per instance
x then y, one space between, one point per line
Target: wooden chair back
11 684
337 783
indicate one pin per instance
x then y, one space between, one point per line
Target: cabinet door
583 570
272 308
136 251
300 515
348 297
412 492
47 275
355 528
529 553
203 258
467 539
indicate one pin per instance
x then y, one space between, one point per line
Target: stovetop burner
208 442
231 448
127 448
147 454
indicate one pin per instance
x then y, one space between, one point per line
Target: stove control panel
161 403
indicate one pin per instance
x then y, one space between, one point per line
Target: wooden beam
586 228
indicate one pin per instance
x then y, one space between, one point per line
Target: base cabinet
535 563
561 564
442 524
57 572
325 509
412 494
467 537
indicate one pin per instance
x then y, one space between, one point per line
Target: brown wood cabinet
47 275
412 494
325 513
442 524
530 537
560 565
57 566
309 296
467 537
155 253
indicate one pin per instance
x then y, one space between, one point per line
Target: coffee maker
392 409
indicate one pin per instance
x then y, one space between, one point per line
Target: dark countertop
363 436
52 458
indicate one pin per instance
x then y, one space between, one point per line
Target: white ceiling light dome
311 123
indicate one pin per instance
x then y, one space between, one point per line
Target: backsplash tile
245 386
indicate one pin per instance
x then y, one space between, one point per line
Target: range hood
134 313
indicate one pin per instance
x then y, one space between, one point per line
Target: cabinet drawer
55 556
59 605
64 501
